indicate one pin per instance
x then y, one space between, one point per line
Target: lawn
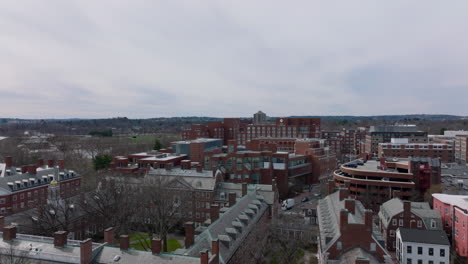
135 239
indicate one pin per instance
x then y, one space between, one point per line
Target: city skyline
227 59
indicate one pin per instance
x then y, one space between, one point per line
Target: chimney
199 168
86 251
60 239
40 163
50 163
214 212
406 208
368 218
61 164
362 260
9 162
109 235
215 248
344 193
124 242
204 256
350 205
232 199
24 169
244 189
189 234
331 186
343 220
32 169
156 245
9 233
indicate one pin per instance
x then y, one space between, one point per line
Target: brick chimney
40 163
204 256
156 245
244 189
189 234
362 260
232 199
406 207
9 233
215 248
24 169
331 186
86 251
61 164
350 205
214 212
50 163
60 239
344 193
343 219
109 235
124 242
32 169
9 162
368 218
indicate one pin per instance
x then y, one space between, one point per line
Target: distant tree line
102 133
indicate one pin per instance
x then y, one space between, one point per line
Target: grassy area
136 241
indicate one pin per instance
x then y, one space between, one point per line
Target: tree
12 255
435 188
163 208
102 161
442 130
112 204
157 145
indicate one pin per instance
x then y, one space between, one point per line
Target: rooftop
395 206
394 129
456 200
434 237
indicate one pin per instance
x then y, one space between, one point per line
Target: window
2 201
420 250
408 261
29 194
431 251
442 252
207 205
433 224
409 249
392 233
394 222
14 197
22 205
400 222
419 223
21 196
198 205
420 261
430 262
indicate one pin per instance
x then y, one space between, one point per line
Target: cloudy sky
61 59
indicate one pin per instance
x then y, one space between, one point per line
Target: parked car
287 204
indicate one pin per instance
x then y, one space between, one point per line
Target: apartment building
461 149
454 212
396 213
242 131
444 152
417 246
384 134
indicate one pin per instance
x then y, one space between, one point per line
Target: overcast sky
140 59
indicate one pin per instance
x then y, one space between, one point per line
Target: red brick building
444 152
140 162
235 128
454 212
396 213
25 187
346 226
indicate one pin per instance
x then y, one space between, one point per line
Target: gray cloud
232 58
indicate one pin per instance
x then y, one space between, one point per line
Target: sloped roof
395 206
227 223
435 237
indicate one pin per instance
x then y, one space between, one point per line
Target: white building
416 246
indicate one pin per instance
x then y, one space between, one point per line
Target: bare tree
12 255
163 208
